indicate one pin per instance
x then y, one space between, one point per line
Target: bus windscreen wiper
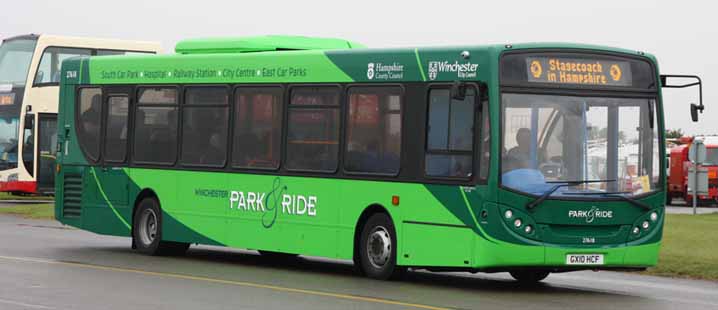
620 195
558 185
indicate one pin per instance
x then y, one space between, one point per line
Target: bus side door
112 175
47 139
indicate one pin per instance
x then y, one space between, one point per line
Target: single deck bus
29 79
530 158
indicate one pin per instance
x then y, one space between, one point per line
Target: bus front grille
72 195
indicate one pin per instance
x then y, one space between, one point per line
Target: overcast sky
682 34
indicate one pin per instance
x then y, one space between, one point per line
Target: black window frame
477 104
79 124
285 131
180 123
93 52
137 90
345 125
283 103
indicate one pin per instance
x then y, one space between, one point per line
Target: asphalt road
46 266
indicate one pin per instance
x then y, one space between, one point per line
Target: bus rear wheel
529 276
377 248
147 231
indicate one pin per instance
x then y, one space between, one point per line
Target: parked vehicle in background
680 165
29 79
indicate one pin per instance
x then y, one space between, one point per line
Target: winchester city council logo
370 71
433 70
463 70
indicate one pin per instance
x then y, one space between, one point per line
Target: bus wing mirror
694 80
29 121
694 111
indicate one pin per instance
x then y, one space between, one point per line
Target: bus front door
47 139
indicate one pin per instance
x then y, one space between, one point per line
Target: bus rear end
581 150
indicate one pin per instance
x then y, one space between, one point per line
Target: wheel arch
370 210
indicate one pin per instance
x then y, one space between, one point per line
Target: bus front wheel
377 248
529 276
147 231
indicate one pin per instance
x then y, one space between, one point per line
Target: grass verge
31 211
690 247
9 196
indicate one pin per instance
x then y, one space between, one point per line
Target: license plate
584 259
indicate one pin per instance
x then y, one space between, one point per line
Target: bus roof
260 44
285 59
83 42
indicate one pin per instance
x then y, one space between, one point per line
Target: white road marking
22 304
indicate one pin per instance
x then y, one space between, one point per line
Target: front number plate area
584 259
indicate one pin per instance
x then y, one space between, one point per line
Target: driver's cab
554 138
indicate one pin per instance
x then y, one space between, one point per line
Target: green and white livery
526 158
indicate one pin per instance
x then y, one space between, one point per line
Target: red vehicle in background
680 164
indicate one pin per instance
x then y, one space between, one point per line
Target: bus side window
313 129
89 110
155 136
450 135
485 145
257 127
204 126
48 72
373 130
116 128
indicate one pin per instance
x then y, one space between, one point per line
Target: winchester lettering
578 71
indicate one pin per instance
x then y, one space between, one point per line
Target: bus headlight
654 216
508 214
528 229
636 230
518 223
645 225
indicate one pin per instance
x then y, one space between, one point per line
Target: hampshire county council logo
536 69
370 71
433 70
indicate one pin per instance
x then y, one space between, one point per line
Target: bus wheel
528 276
377 248
147 231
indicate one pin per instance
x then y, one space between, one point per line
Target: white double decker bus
29 79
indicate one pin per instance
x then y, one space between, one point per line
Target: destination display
578 71
7 99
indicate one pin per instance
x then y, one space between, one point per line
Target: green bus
528 159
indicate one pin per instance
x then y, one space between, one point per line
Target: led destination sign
558 70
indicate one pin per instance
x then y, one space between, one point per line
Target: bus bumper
29 187
502 257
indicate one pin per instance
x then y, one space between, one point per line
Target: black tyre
529 276
147 231
377 249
